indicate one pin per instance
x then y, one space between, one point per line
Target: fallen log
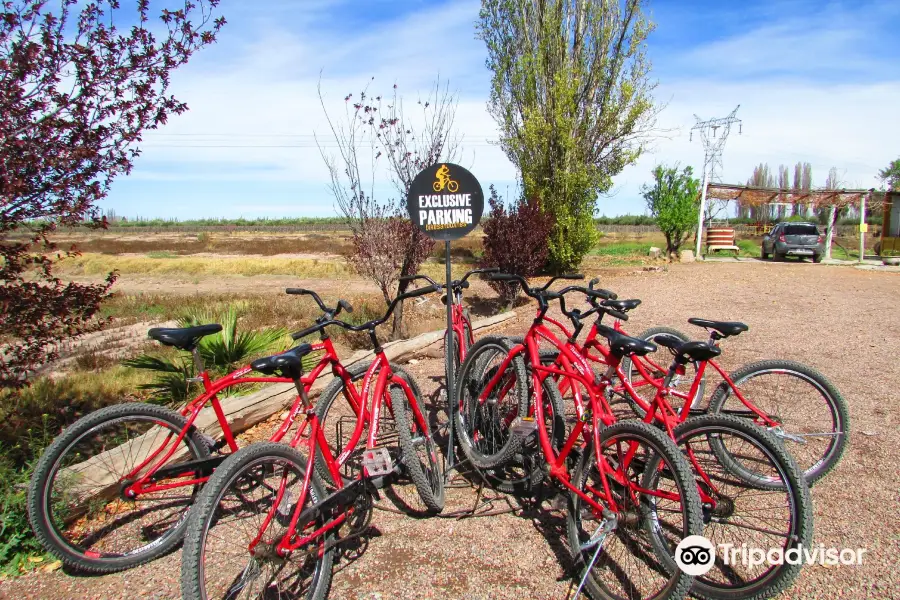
242 413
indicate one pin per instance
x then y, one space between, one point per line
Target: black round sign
445 201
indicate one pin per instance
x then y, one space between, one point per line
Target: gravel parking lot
839 320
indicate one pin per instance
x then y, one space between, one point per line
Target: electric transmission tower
713 133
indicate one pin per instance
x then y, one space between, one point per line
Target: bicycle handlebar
411 278
456 284
370 325
593 296
341 304
610 295
536 291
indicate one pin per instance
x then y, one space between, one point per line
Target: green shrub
222 353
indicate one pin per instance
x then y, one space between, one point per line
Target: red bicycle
795 403
462 337
113 489
627 481
750 488
266 526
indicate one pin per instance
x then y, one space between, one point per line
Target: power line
713 147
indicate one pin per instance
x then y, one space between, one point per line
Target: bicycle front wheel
419 452
77 501
813 421
338 420
230 517
483 425
773 512
654 490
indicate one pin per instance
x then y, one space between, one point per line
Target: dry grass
188 266
223 243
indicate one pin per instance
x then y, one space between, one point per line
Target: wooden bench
720 238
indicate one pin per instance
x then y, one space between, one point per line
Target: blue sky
817 82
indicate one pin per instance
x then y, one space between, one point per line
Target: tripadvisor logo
696 555
445 201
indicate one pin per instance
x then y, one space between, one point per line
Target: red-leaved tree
76 93
515 240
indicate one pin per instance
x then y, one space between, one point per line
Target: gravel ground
838 320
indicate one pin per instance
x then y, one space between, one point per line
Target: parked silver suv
793 239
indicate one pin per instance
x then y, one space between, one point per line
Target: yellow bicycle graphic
444 181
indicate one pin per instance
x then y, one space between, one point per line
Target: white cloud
265 93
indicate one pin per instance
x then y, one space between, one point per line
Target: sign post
445 201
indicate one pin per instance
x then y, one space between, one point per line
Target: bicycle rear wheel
525 471
741 512
76 498
812 416
654 490
228 517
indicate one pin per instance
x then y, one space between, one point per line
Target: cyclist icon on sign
444 181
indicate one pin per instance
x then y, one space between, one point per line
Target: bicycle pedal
377 462
523 426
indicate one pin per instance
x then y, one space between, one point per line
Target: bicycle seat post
199 368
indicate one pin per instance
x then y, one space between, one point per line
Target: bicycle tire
497 445
49 465
678 582
779 577
326 403
454 349
837 407
427 476
648 335
193 570
467 329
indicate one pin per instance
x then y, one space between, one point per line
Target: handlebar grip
297 291
618 315
420 292
305 332
571 276
502 277
346 306
602 294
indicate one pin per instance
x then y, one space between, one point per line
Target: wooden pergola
834 199
757 196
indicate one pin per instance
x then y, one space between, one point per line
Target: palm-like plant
229 349
221 353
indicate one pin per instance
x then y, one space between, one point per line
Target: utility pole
713 145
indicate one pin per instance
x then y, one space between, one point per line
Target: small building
890 224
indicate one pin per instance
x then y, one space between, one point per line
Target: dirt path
232 284
839 320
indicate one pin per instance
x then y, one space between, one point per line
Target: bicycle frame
459 322
641 362
600 415
146 483
380 372
658 409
